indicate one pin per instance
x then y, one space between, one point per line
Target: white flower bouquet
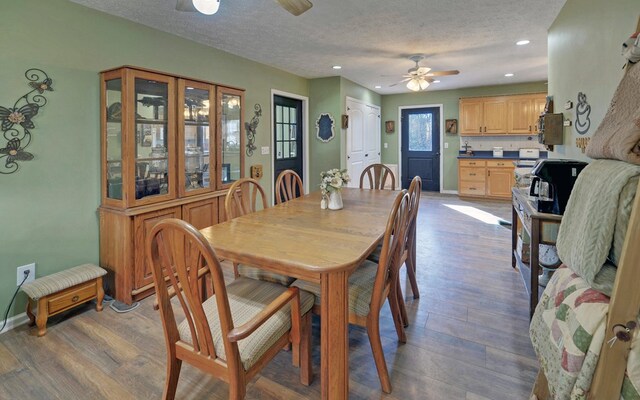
333 180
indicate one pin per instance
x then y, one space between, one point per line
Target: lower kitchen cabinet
487 178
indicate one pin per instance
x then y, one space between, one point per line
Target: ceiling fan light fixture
207 7
424 84
413 85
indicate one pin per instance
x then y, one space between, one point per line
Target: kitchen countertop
488 154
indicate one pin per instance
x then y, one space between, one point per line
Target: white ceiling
370 39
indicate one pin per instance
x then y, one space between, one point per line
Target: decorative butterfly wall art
16 122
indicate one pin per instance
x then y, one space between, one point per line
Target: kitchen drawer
500 163
472 174
471 163
472 188
72 296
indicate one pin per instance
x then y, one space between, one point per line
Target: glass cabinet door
113 138
195 146
153 139
231 125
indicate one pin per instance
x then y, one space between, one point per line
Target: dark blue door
421 146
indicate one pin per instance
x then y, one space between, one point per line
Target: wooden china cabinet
170 148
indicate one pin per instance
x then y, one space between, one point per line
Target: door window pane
230 137
196 138
420 132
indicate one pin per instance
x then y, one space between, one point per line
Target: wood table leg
334 344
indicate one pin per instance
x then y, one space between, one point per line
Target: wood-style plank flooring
468 337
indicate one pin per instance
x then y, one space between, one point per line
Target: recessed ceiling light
509 75
436 81
522 42
378 87
337 67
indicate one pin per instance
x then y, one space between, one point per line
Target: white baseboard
15 321
449 191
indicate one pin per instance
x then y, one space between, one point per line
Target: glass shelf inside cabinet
231 131
114 138
197 157
151 151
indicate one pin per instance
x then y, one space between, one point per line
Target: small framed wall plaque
389 126
345 121
325 127
451 126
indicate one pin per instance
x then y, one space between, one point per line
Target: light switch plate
446 145
566 122
265 150
386 145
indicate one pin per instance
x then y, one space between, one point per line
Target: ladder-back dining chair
288 186
235 332
377 175
371 284
244 197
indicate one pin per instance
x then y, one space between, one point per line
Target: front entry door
287 128
421 146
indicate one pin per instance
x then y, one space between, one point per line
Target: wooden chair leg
402 306
173 373
411 273
236 274
373 330
396 314
42 316
30 314
306 368
100 296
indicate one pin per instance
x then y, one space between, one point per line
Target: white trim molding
399 129
305 135
15 322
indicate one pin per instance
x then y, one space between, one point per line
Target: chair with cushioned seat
377 175
235 332
243 198
288 186
371 284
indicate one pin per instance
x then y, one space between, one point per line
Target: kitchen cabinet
523 113
486 178
500 115
170 148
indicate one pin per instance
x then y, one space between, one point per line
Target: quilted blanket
568 332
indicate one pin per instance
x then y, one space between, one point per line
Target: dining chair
377 175
372 283
244 197
288 186
235 332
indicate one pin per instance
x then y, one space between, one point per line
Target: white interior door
355 142
372 135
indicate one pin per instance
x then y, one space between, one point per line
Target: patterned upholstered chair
244 197
371 284
288 186
377 175
235 332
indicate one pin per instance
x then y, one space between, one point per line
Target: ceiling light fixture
522 42
417 84
436 81
509 75
377 87
336 67
207 7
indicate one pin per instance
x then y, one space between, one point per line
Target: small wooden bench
63 290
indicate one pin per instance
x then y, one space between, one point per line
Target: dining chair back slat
244 197
288 186
377 175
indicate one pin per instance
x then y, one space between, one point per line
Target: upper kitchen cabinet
523 113
138 138
230 121
483 116
500 115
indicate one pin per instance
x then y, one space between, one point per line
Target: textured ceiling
370 39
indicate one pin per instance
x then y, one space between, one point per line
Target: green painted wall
449 100
585 44
48 208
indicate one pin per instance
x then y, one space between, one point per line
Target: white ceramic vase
335 200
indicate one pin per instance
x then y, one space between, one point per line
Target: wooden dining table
299 239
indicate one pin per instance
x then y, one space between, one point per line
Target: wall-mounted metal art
251 129
16 121
325 127
583 109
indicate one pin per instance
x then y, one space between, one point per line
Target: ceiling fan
420 77
209 7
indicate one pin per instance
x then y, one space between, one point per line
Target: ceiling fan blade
295 7
443 73
185 5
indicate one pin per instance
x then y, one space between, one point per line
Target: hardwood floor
468 337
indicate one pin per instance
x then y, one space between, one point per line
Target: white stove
527 159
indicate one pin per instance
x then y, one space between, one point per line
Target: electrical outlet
265 150
446 145
31 268
386 145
